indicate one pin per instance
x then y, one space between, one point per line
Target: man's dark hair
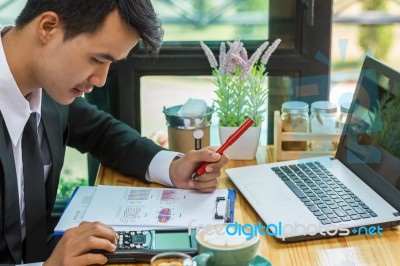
87 16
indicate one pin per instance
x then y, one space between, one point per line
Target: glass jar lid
295 107
323 107
345 107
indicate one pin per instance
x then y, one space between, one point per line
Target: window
298 70
352 22
9 9
213 20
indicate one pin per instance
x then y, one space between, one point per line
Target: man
66 47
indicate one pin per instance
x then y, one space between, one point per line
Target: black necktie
34 189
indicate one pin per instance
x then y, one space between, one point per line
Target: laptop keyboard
323 194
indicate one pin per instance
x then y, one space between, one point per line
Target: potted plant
241 92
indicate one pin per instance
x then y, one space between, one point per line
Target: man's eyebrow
107 57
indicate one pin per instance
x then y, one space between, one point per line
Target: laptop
357 191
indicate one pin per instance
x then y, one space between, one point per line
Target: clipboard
225 207
164 208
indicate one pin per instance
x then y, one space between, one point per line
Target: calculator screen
168 240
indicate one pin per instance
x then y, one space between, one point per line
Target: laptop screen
370 143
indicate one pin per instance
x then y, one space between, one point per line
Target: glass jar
341 120
323 121
295 118
344 111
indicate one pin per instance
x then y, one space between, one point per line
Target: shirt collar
14 107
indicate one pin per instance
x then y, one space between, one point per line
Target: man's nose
99 77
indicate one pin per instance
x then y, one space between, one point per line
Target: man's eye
97 61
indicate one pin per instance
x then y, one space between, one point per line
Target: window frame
187 58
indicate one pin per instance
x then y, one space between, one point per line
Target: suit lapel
54 133
11 212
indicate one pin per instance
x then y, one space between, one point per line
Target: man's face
71 68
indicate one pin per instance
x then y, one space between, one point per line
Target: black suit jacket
79 125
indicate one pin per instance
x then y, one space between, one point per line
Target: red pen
230 140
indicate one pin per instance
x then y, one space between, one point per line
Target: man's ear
49 26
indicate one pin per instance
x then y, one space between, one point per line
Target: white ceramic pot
245 148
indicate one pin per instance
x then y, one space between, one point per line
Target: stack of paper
136 208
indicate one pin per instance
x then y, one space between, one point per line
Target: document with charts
140 208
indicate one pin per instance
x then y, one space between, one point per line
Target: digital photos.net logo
281 230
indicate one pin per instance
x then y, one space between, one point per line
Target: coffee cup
172 259
218 245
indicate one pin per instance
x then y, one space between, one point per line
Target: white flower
241 81
268 53
210 56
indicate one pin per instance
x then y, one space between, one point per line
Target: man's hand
75 245
182 169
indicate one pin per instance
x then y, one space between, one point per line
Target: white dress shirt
16 110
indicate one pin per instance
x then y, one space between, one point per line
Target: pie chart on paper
164 215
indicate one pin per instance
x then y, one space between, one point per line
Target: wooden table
350 250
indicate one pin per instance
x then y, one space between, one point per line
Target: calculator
141 246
